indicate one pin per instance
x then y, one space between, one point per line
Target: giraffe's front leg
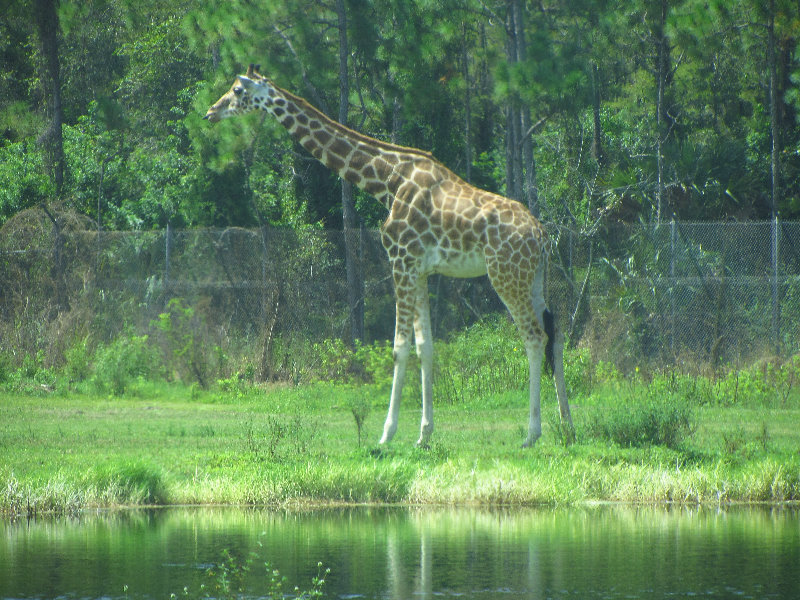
424 342
402 347
400 353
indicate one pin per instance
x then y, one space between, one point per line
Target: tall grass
68 442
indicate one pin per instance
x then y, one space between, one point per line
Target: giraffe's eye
238 90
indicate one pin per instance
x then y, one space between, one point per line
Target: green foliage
579 372
127 358
31 376
136 80
6 367
649 422
278 437
484 360
23 181
128 483
78 361
768 384
179 330
237 385
367 363
360 407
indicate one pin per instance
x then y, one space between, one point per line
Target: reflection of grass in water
229 580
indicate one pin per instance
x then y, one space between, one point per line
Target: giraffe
437 223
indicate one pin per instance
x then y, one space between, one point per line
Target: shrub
77 358
578 372
127 357
484 360
31 377
6 367
647 422
364 363
336 360
750 386
376 361
360 407
183 349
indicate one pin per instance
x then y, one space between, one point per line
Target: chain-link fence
682 293
698 293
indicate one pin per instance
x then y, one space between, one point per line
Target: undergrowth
122 424
482 362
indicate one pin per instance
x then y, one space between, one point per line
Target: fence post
672 241
167 251
776 307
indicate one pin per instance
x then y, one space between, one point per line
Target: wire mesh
673 294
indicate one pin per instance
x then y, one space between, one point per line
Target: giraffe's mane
351 133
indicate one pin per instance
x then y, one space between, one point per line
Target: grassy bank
653 440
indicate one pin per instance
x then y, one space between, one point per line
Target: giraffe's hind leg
424 344
521 292
561 386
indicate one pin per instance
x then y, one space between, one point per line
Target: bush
179 332
578 372
486 359
767 384
647 422
78 366
31 377
365 363
127 357
6 367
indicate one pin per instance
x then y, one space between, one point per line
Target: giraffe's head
249 92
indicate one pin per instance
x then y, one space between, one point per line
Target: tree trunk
774 120
520 166
662 53
47 24
355 285
467 107
513 159
530 193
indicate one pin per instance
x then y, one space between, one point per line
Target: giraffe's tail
550 330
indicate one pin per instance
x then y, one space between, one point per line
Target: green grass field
172 444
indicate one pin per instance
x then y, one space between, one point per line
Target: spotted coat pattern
437 223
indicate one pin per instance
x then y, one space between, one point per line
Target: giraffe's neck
384 170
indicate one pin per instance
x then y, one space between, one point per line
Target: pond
405 553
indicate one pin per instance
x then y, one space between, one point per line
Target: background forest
588 110
659 142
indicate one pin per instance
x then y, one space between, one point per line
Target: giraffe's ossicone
437 223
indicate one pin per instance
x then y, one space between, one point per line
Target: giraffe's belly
454 264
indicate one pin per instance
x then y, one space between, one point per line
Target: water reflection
594 552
